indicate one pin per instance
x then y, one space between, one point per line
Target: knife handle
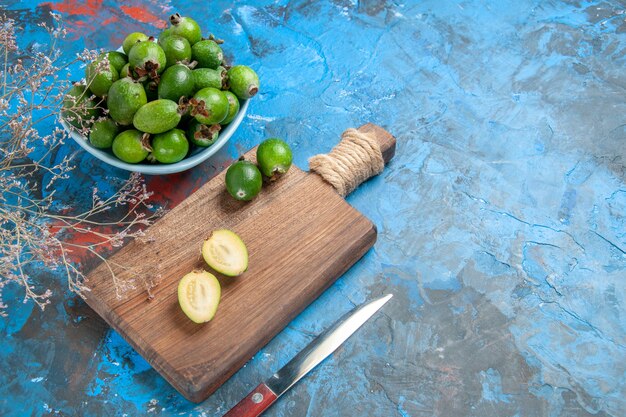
254 404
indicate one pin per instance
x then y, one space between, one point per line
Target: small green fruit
117 59
102 133
157 116
244 82
213 107
79 109
207 53
131 40
233 107
185 27
274 157
125 98
100 76
147 56
207 77
243 180
176 82
170 147
202 135
176 49
131 146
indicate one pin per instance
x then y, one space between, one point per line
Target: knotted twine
355 159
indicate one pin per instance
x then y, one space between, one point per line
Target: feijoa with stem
274 157
243 81
202 135
131 40
170 147
199 295
233 107
207 77
177 81
102 133
185 27
226 253
211 106
176 49
157 116
124 99
147 58
207 53
243 180
131 146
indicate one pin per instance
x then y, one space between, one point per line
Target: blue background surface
501 219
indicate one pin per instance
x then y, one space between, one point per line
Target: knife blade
267 392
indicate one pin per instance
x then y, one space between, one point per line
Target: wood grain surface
301 236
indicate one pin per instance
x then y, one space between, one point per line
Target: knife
319 349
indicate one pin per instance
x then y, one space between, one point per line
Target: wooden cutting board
301 236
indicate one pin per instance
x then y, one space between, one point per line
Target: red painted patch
109 20
74 7
143 15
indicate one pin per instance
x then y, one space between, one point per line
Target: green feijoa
243 180
202 135
167 32
274 157
102 133
207 53
125 98
78 107
185 27
207 77
157 116
176 49
176 82
100 75
170 146
147 56
117 59
131 146
212 106
131 40
243 81
233 107
125 71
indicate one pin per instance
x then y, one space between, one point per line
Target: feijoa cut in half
225 252
199 295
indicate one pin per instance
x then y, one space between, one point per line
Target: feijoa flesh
199 295
226 253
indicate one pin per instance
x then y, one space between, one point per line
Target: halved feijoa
225 252
199 295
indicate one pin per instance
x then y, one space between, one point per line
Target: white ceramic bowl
196 156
